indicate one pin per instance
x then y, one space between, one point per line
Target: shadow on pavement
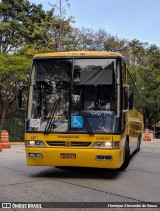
78 172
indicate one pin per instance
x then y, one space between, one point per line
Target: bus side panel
134 127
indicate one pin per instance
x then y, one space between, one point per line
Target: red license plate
68 155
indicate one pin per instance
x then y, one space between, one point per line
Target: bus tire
127 157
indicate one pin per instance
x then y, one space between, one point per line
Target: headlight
106 145
102 145
34 144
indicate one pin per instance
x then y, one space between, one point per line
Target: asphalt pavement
139 183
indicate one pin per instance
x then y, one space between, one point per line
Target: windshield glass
73 95
50 95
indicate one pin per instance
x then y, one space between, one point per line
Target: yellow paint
134 123
51 155
84 157
71 137
78 54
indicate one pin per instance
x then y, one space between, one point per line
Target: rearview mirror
20 100
19 96
130 99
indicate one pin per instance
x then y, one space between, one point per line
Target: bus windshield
73 95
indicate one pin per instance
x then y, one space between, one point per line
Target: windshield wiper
87 123
50 125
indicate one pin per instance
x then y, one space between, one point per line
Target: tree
61 28
13 69
23 23
138 53
23 32
87 39
148 82
17 21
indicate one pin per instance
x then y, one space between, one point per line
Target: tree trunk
2 119
145 118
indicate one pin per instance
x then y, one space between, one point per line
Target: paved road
140 182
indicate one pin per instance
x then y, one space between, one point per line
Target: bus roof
78 54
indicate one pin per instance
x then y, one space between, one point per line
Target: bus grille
65 143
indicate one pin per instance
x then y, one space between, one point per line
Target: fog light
35 155
103 157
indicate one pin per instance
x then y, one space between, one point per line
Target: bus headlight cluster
100 144
106 145
34 144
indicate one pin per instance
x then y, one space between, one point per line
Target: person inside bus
101 103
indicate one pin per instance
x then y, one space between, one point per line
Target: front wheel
127 157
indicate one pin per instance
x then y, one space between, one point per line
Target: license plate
68 155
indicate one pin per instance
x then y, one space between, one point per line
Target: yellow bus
83 110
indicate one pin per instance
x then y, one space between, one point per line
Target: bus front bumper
95 158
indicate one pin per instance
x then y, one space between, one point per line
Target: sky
128 19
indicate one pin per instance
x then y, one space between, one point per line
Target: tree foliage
18 24
146 72
13 70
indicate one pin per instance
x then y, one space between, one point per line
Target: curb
16 143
